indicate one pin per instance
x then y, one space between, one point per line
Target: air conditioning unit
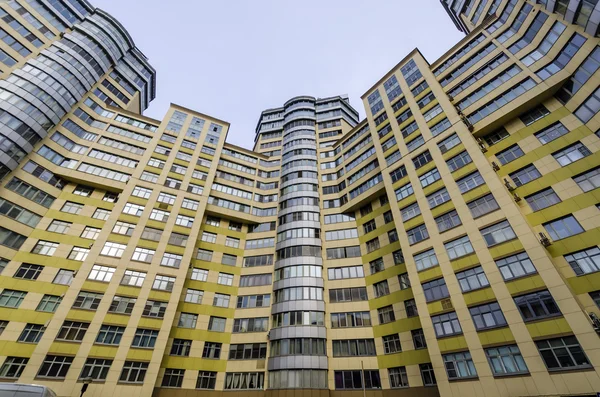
163 206
495 166
508 185
595 322
544 240
481 144
516 197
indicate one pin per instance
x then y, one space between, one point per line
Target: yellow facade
448 244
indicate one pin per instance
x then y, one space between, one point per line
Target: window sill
515 375
566 370
539 319
463 379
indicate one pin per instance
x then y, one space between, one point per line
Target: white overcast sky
231 59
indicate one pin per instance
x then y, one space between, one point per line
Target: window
551 133
542 199
512 153
254 280
404 191
78 254
498 233
225 279
398 257
430 177
123 228
589 107
438 197
339 273
72 208
422 159
351 348
181 347
381 288
448 221
470 182
391 344
496 136
351 319
28 271
101 214
211 350
459 365
515 266
353 379
141 192
185 221
91 233
216 324
145 338
122 305
347 294
143 255
72 331
133 372
113 249
87 300
49 304
173 377
425 260
571 154
427 374
171 260
417 234
193 296
55 367
244 380
206 380
376 265
472 279
178 239
163 283
563 227
64 277
155 309
411 308
487 316
232 242
249 301
258 324
45 248
13 367
525 175
199 274
96 369
562 353
221 300
404 281
506 360
537 305
435 290
448 143
534 115
409 212
110 335
589 180
369 226
152 234
483 205
32 333
459 248
446 325
101 273
204 255
209 237
159 215
57 226
458 161
133 278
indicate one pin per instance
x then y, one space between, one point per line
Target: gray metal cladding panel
299 208
299 260
298 241
297 224
297 362
298 331
298 282
303 305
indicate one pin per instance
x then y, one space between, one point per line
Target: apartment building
445 245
